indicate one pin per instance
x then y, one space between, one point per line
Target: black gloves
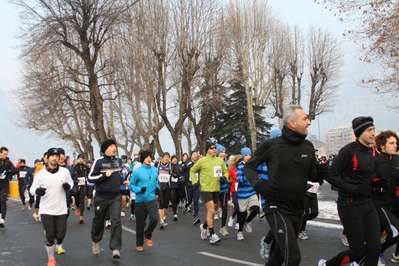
223 178
66 186
322 171
143 189
360 190
267 191
196 185
41 191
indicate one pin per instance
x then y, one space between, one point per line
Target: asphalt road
22 243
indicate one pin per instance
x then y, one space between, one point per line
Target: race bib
314 187
217 171
22 174
81 181
163 178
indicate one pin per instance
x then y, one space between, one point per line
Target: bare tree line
131 70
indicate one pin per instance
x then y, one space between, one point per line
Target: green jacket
210 169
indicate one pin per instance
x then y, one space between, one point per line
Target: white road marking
242 262
128 229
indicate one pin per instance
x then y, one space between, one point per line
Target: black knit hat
61 151
145 154
106 143
360 124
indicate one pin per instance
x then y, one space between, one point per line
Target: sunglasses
212 148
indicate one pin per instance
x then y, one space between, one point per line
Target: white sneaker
248 227
116 254
230 222
122 215
175 218
36 216
2 223
240 236
59 249
216 216
237 226
265 248
203 232
214 239
303 236
344 240
224 231
107 223
95 248
321 262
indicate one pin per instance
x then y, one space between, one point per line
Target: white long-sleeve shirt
54 201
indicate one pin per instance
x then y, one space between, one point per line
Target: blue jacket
145 176
244 188
29 176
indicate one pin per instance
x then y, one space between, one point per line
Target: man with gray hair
290 161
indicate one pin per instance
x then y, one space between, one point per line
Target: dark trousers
311 210
22 188
390 224
101 206
55 228
144 209
80 199
193 194
3 200
285 229
361 225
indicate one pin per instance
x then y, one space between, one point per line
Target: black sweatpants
80 199
144 209
22 188
55 227
285 228
362 228
311 210
101 206
3 201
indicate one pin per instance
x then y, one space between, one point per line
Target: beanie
275 132
106 143
219 149
80 156
208 145
360 124
52 151
245 151
145 154
61 151
23 161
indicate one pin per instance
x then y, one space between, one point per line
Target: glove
322 171
223 178
360 190
66 186
196 185
268 192
41 191
143 189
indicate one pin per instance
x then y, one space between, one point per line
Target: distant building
338 137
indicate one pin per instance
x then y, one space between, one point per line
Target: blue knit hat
275 132
245 151
219 149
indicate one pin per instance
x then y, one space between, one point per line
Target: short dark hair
382 138
3 149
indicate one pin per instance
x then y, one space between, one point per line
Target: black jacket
353 166
185 172
386 180
8 169
290 161
106 187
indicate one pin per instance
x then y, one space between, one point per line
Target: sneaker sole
116 256
217 241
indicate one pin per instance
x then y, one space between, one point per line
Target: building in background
338 137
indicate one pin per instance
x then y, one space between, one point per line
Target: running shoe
381 260
237 226
224 231
95 248
108 223
344 240
302 235
265 248
175 218
395 259
322 262
189 209
88 208
51 262
77 212
240 236
139 248
132 217
216 216
123 214
116 254
30 207
230 222
149 242
164 222
162 225
196 221
59 249
248 227
261 215
81 220
204 234
73 207
2 223
214 239
36 216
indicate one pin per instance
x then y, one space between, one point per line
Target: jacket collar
292 137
